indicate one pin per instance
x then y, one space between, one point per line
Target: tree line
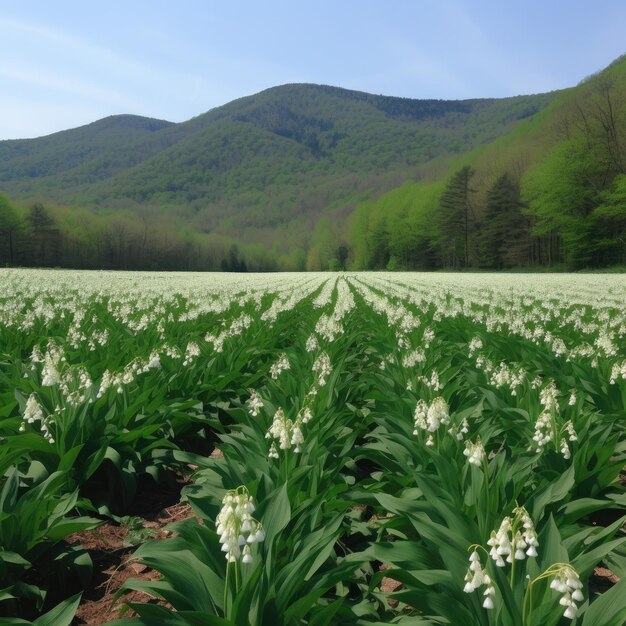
564 208
40 236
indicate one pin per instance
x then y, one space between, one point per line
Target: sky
65 63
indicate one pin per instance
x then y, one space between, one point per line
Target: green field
419 448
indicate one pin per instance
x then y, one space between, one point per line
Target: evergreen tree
455 219
502 239
10 225
44 237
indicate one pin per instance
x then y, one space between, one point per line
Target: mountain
318 177
550 193
267 162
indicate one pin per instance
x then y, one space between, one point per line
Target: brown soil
601 580
111 547
389 585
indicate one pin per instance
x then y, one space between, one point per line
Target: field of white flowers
460 435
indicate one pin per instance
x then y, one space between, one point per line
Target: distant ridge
279 157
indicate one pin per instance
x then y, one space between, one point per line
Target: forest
551 194
319 178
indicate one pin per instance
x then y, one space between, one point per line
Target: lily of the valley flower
236 526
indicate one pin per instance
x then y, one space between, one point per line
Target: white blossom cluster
432 383
279 366
567 582
502 375
98 338
326 294
237 529
76 386
255 402
548 427
386 360
605 344
328 327
34 413
135 368
192 351
323 368
543 434
475 345
236 328
618 371
475 452
568 427
53 361
312 343
460 430
413 357
428 417
476 577
515 539
287 432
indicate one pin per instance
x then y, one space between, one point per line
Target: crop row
460 435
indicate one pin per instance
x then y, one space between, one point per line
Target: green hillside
280 156
309 176
551 192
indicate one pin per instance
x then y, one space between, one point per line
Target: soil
389 585
601 580
111 547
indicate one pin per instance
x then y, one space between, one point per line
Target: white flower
50 374
477 576
515 539
279 366
191 352
548 397
306 415
437 414
286 431
323 368
567 582
312 344
255 402
571 433
236 526
34 413
474 345
32 410
543 431
475 452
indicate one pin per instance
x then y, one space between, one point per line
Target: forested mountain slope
317 177
280 156
551 192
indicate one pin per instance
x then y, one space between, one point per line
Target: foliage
412 421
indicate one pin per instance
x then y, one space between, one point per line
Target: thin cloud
83 52
27 73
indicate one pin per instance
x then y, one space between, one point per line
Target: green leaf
609 609
274 513
60 615
554 492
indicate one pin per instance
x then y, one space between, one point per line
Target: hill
278 158
551 192
311 176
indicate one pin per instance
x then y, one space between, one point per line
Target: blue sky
65 63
